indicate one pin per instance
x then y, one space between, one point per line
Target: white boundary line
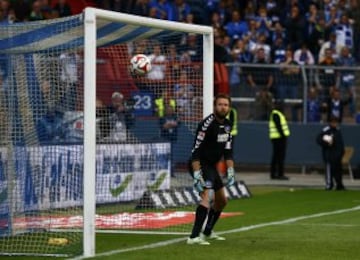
326 225
237 230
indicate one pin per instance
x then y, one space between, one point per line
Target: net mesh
41 177
138 172
144 133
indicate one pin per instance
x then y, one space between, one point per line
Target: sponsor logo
222 138
118 190
158 182
228 146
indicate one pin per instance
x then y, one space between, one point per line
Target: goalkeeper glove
230 176
199 182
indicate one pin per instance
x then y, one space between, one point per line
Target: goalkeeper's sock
200 216
213 217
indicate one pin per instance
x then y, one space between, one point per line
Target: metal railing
292 84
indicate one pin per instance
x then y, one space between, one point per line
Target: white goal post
90 43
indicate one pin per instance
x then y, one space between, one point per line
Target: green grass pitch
277 223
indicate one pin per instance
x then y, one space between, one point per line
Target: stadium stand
309 13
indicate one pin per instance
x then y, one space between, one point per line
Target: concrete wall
252 145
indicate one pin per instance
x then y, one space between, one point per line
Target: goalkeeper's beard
220 115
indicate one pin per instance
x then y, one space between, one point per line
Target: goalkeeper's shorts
210 174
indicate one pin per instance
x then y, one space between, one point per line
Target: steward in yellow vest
232 116
160 106
278 127
278 133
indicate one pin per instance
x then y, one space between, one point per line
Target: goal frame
90 44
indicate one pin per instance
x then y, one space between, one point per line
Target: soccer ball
140 64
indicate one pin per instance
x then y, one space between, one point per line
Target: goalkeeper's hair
222 95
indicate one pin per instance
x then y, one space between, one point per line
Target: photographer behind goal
116 119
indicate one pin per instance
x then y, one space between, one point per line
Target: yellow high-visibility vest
232 116
160 106
273 132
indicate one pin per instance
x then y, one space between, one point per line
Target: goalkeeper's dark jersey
212 141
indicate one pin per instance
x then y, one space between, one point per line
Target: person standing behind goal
213 142
278 133
332 144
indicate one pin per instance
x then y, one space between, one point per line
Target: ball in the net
140 64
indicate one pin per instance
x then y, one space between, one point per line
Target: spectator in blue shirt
251 35
344 32
211 7
347 77
169 124
263 22
278 51
180 10
236 28
313 107
335 105
278 32
50 127
241 53
332 16
164 9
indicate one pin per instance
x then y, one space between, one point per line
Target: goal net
87 145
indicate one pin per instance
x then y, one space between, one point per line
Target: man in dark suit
331 141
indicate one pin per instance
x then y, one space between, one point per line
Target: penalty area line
237 230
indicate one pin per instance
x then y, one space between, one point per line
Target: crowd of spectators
258 23
281 32
261 22
15 11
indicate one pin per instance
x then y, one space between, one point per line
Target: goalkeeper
212 142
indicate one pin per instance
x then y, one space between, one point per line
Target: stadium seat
221 78
346 160
78 6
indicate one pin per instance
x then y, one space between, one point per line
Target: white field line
237 230
326 225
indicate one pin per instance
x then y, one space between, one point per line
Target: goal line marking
237 230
